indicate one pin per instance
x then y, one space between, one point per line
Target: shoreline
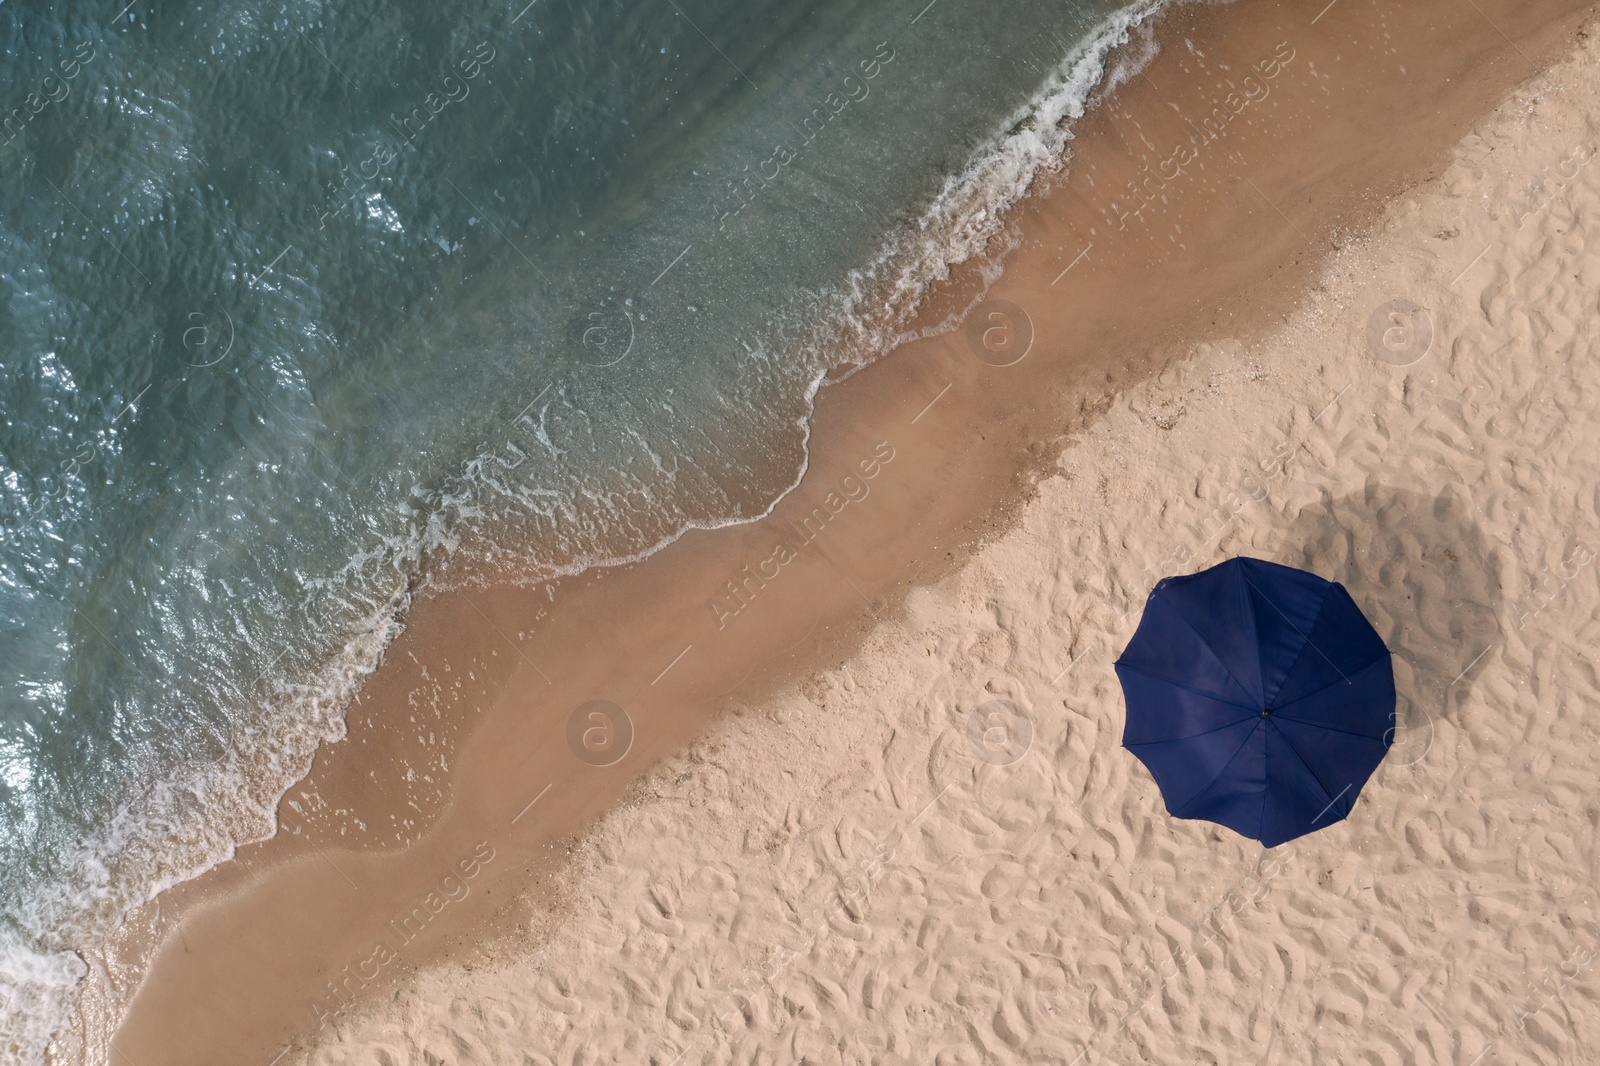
672 684
850 878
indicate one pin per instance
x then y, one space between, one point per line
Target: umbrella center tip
1266 712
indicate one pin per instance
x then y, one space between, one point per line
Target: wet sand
440 827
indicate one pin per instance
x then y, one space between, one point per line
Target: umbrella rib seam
1224 769
1255 632
1190 736
1312 773
1296 628
1355 674
1328 728
1301 654
1266 785
1180 686
1206 644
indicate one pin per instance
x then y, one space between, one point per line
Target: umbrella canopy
1259 697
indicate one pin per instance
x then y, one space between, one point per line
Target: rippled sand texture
854 874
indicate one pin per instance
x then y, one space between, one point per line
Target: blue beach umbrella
1259 697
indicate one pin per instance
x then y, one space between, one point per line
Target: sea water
304 305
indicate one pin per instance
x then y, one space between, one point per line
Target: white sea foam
967 220
179 828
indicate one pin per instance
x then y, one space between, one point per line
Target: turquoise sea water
296 297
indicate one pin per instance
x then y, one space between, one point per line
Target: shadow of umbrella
1424 574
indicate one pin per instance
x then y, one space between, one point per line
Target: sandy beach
1315 286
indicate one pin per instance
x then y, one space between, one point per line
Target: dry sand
1046 910
880 888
